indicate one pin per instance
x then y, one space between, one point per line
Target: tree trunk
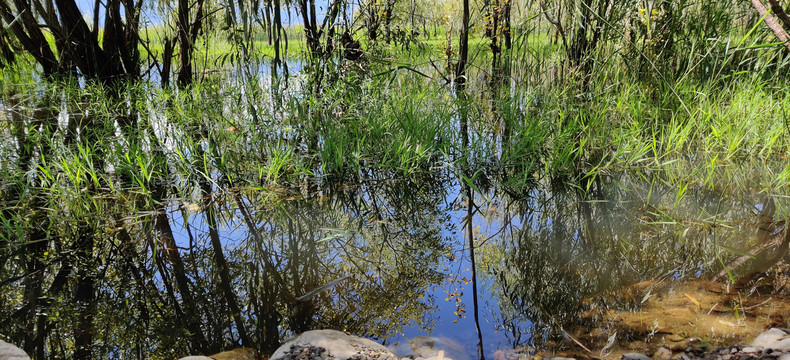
168 245
85 295
29 34
219 257
463 49
185 72
772 24
777 9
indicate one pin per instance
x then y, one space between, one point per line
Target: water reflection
196 267
578 255
357 259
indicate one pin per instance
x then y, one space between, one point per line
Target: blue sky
151 18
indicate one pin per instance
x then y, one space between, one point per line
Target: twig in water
565 332
760 304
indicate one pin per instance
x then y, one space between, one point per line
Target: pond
203 229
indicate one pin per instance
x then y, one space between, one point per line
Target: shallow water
380 253
391 258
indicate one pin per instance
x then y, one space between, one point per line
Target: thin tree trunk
463 49
85 295
168 244
506 24
777 9
224 272
278 30
185 43
772 24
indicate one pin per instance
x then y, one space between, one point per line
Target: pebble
634 356
774 338
662 354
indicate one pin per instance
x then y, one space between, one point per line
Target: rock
429 347
11 352
676 338
749 349
325 344
662 354
772 339
238 354
562 358
235 354
784 357
634 356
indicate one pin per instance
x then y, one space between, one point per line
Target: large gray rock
331 344
11 352
774 338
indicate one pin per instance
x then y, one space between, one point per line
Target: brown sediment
683 316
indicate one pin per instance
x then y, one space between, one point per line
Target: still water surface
390 258
385 255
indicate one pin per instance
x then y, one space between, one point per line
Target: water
392 260
376 251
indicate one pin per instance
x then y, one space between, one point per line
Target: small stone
734 350
195 358
676 338
749 349
662 354
562 358
634 356
726 357
773 338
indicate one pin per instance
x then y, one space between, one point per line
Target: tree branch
777 29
